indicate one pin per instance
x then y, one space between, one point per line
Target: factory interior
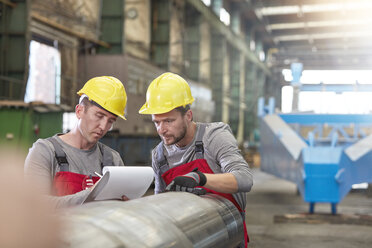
292 79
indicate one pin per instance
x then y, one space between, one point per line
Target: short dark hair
183 109
89 103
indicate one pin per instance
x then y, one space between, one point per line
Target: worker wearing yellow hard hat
65 165
193 157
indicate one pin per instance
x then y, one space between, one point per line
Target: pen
98 174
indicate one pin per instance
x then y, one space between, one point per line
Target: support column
273 88
192 42
177 36
242 105
226 100
260 85
112 26
138 28
250 99
205 52
14 45
160 32
218 54
234 72
69 82
296 93
369 190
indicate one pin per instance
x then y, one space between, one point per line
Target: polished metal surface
173 219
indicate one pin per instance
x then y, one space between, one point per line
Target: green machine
22 123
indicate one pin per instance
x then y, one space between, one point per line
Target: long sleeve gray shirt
41 167
221 152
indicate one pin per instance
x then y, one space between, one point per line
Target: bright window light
207 2
261 55
225 17
328 102
332 76
252 45
69 121
287 75
360 186
287 98
333 103
44 81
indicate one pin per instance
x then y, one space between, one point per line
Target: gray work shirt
221 152
41 167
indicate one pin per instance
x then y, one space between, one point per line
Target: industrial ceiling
321 34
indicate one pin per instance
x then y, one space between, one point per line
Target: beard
177 138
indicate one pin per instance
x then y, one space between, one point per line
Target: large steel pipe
173 219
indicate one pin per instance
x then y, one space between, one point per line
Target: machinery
323 154
23 123
173 219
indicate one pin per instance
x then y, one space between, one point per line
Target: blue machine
335 154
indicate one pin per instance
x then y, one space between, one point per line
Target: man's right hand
189 182
174 187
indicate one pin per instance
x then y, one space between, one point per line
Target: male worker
192 154
65 165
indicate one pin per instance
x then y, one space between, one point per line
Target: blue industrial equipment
336 153
296 69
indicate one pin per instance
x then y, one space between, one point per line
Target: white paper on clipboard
131 181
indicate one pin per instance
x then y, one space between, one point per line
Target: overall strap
161 160
59 154
107 158
199 147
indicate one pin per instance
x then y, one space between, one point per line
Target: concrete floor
271 196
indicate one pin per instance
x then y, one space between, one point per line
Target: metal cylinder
173 219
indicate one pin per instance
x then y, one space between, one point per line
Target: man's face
171 126
94 122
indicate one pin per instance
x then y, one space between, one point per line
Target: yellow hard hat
108 92
165 93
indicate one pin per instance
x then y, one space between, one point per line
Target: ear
188 115
79 110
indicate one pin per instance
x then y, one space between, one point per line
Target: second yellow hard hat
165 93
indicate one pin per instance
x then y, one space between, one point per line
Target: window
44 80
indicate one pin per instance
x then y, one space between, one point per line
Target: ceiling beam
336 38
233 39
326 60
280 3
330 64
324 16
325 47
366 53
322 30
330 42
324 36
